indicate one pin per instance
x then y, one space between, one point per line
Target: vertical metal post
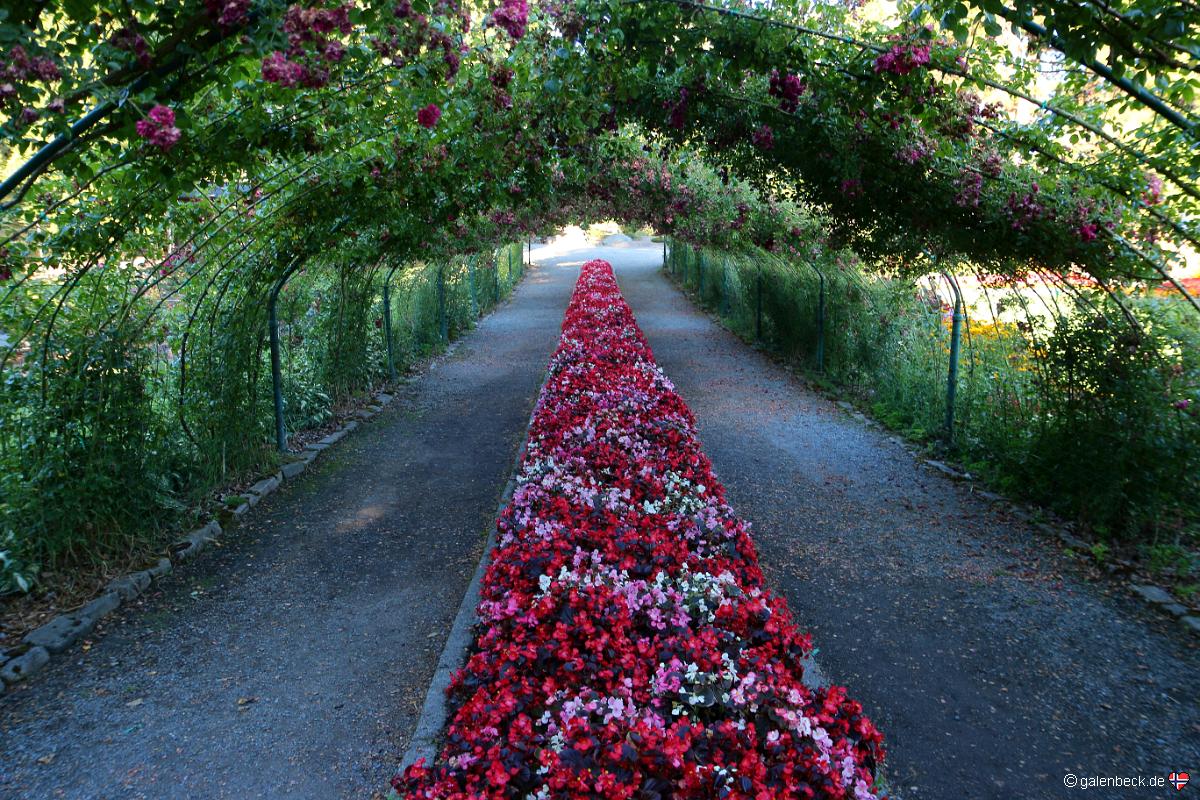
955 341
471 286
820 321
387 321
276 359
758 294
724 285
443 321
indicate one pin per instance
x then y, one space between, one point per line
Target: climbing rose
158 128
429 116
763 138
970 188
903 59
1153 194
130 40
1026 208
276 68
787 88
228 13
513 16
678 118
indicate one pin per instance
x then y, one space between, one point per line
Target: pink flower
429 115
787 88
512 16
763 138
228 13
276 68
1153 194
903 59
158 128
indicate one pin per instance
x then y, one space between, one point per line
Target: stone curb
19 663
434 713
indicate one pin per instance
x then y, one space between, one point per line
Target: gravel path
991 666
293 660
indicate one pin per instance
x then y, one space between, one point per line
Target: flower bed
626 645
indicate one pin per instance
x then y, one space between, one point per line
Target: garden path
293 661
991 666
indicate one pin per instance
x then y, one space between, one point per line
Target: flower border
627 646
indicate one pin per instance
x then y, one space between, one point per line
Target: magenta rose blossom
429 116
158 128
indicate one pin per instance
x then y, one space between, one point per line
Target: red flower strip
627 646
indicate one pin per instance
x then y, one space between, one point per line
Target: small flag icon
1178 780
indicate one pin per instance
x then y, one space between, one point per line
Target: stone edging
1155 596
20 662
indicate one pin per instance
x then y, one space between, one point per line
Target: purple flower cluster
787 88
158 128
228 14
311 46
763 138
903 59
429 115
512 16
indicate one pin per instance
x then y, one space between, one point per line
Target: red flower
158 128
429 115
626 641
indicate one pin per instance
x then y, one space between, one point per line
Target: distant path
293 661
944 618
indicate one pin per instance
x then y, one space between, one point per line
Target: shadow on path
293 660
990 669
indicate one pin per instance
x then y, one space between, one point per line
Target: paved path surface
293 661
991 672
991 668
